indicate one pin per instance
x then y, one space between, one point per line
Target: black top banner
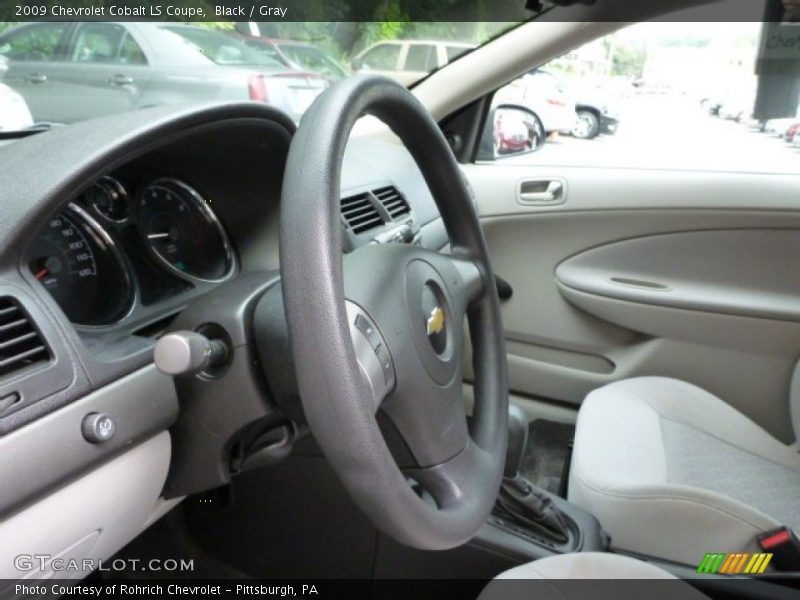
273 10
392 10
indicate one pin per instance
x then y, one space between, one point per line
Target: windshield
223 49
314 59
130 65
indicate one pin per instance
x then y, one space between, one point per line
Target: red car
791 132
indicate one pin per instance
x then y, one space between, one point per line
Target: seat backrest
794 403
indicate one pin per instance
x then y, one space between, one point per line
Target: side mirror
510 131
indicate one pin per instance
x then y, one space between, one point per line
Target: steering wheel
377 334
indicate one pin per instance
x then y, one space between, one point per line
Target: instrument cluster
113 248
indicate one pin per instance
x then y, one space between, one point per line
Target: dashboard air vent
20 343
393 201
360 213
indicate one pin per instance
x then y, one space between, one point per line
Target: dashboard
118 230
138 243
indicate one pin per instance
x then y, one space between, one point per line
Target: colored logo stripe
758 563
735 563
711 562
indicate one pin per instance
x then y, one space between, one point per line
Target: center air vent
393 201
20 343
359 213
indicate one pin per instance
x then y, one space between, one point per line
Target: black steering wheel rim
332 388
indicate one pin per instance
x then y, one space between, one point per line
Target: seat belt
784 546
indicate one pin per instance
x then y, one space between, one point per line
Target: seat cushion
674 472
586 565
555 578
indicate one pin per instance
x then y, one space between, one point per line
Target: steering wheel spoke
452 483
372 354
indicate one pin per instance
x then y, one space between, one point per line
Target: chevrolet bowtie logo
436 321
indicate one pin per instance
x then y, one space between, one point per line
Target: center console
532 522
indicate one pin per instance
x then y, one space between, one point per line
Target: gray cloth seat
559 578
674 472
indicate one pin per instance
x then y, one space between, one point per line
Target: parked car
791 132
299 56
543 93
71 71
14 113
593 119
407 61
595 109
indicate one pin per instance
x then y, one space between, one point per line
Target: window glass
315 59
35 42
98 43
267 49
382 57
130 53
453 52
679 95
224 49
421 57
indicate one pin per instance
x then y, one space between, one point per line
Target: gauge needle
41 273
157 236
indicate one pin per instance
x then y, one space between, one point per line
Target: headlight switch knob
188 352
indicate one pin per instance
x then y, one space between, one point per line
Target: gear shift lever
517 441
519 499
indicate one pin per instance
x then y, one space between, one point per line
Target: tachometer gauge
78 263
109 199
182 232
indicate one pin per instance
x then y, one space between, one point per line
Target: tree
628 61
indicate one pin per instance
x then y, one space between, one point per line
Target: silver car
70 71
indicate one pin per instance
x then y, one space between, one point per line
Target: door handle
541 192
36 78
120 80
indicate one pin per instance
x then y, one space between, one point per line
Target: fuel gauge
109 199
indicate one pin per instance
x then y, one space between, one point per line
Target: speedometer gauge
77 262
182 232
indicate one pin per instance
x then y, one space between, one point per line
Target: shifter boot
528 506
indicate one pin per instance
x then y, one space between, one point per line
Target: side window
98 43
38 42
421 57
680 95
453 52
383 57
131 53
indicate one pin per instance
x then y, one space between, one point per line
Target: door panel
565 339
